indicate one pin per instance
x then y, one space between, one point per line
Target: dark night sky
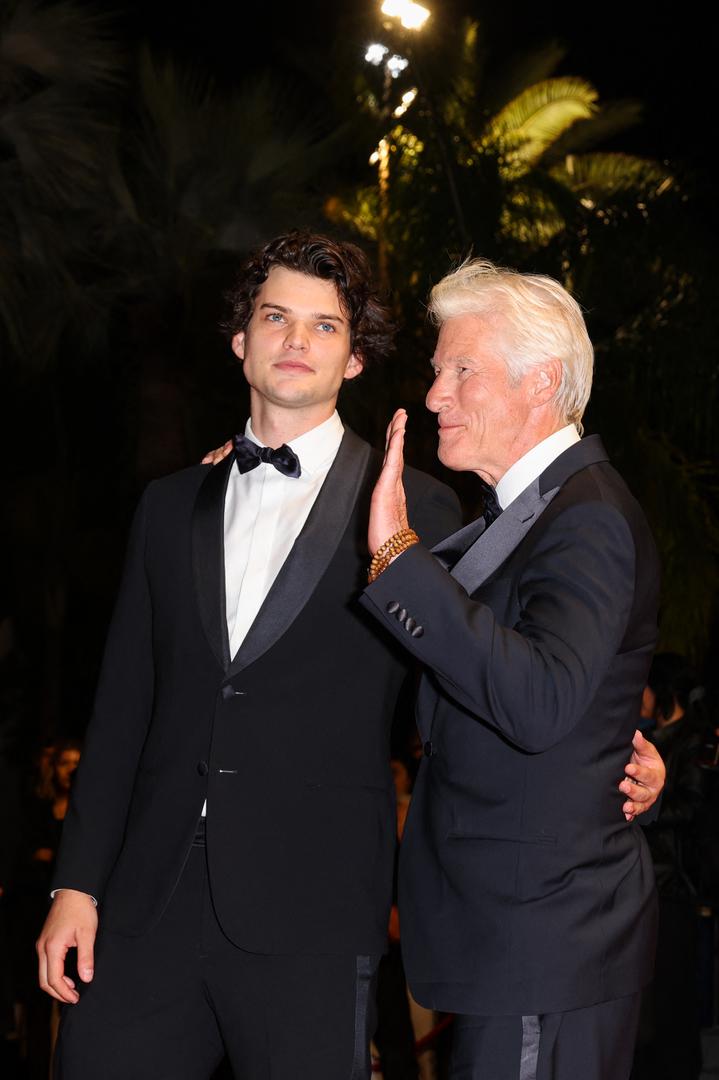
658 53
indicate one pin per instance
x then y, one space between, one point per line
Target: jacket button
203 768
410 623
401 615
428 749
392 607
417 631
229 692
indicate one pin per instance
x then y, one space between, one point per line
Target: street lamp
412 16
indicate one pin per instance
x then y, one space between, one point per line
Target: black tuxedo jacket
522 888
288 741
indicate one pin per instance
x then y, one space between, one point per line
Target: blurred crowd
411 1042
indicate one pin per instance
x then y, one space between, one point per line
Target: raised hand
388 509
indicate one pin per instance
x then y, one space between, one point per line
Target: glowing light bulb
412 16
396 65
376 53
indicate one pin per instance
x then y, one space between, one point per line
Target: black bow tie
248 455
492 509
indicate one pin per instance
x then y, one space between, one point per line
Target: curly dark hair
371 328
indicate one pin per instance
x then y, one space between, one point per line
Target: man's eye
327 327
275 316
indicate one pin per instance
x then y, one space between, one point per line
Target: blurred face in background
65 767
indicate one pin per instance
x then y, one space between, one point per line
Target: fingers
51 971
394 445
641 794
85 955
644 778
216 456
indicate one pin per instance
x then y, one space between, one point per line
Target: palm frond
598 178
530 123
59 43
60 146
530 217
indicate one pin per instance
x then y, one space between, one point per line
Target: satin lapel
497 543
311 553
451 549
208 557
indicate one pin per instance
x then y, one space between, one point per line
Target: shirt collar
520 475
317 448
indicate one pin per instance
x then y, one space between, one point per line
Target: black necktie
248 455
492 509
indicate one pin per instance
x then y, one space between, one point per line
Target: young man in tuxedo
526 898
233 816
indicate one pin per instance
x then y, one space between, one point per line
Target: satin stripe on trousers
170 1004
596 1043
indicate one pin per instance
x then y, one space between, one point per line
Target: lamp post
393 65
412 16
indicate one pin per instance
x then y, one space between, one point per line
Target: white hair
539 320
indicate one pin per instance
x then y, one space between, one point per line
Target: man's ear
355 366
545 381
238 345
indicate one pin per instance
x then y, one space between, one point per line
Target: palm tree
520 162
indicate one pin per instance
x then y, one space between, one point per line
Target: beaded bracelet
383 556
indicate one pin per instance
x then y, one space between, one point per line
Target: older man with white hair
526 895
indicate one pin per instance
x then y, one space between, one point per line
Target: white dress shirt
264 515
520 475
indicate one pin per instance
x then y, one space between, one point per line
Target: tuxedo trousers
596 1043
171 1004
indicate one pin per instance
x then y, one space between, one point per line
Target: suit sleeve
532 681
95 823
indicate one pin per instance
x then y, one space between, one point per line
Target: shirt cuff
54 893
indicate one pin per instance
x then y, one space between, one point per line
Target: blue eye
327 326
275 316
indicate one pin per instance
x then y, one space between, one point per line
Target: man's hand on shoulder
71 923
645 777
216 456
